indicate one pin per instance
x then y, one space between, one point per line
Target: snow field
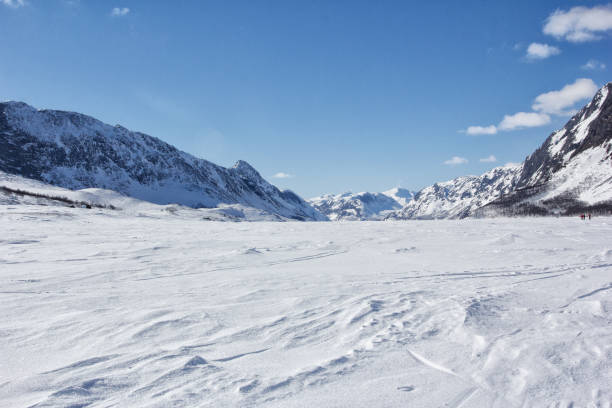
102 308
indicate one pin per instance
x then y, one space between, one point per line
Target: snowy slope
17 191
401 195
105 310
75 151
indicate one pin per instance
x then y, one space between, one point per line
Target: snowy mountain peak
246 170
399 194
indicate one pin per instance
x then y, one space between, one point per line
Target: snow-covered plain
106 309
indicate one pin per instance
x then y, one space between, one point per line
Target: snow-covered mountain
355 207
457 198
460 197
572 171
76 151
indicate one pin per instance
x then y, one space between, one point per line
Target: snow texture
103 308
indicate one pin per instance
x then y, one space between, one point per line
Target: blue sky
339 95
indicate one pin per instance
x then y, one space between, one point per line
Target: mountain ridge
76 151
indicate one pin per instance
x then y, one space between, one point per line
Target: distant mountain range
76 151
362 206
570 173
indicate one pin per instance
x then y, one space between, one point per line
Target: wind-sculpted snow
76 151
105 309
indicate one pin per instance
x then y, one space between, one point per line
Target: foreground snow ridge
104 308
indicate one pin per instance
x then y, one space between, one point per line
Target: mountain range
362 206
571 172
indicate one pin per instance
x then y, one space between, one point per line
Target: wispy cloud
558 102
579 24
537 51
13 3
490 159
456 160
481 130
281 175
594 65
120 11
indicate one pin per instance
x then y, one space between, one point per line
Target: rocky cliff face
76 151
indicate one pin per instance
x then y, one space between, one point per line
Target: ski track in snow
103 309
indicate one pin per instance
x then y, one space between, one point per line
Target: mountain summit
76 151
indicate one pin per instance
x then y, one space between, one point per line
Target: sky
320 96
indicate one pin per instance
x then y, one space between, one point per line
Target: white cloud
13 3
120 11
282 175
455 160
537 51
579 24
558 102
481 130
490 159
523 119
555 102
593 64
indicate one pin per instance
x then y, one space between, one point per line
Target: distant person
589 216
582 217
